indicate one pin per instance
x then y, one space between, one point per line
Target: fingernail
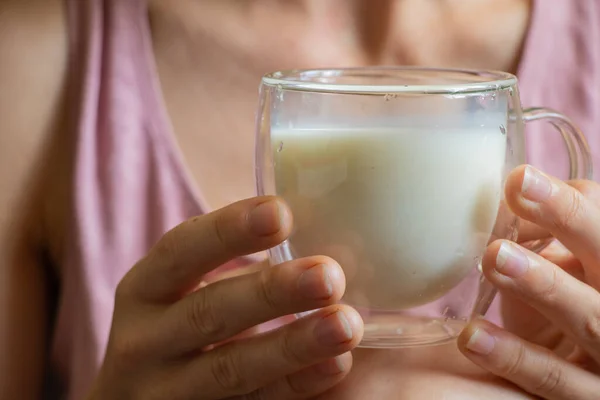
267 218
315 283
333 330
536 186
481 342
332 367
510 261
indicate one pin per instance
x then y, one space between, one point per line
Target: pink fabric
560 69
129 182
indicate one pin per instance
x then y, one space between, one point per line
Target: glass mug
398 174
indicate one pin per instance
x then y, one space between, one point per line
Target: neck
456 33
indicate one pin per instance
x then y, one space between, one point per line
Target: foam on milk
404 211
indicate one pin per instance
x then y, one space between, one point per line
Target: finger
561 209
569 303
176 264
529 231
243 270
590 189
244 366
534 368
307 383
225 308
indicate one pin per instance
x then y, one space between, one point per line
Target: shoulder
33 44
33 70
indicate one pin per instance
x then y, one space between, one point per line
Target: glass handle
580 158
580 167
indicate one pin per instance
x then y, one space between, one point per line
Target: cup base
394 331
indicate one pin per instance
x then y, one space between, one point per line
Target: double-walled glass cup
398 174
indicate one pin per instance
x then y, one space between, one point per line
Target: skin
32 140
245 41
556 353
271 35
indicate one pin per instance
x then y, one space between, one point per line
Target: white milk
405 212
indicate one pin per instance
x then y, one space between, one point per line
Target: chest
434 373
211 93
210 79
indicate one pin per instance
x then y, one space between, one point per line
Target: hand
164 323
551 303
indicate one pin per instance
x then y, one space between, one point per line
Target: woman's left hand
550 346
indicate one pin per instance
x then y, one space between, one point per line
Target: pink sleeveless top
129 183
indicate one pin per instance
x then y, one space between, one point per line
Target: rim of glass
488 81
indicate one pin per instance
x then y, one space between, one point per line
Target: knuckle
589 189
166 250
219 226
203 317
572 211
129 285
548 291
123 289
157 392
127 349
259 394
552 381
267 290
290 351
226 373
591 327
513 364
295 387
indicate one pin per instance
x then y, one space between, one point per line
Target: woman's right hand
164 326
